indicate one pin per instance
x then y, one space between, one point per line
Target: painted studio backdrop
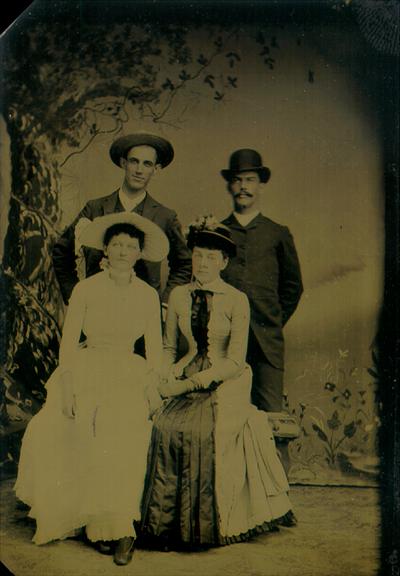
299 93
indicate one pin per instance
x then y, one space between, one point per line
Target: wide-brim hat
156 245
214 237
246 160
120 147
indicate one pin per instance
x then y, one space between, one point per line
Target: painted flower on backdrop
330 386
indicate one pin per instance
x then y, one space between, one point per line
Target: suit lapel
150 207
255 222
232 222
110 204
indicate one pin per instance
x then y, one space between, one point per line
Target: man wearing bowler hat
139 155
267 269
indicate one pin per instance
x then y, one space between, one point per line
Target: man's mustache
243 194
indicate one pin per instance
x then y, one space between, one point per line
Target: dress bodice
199 319
200 316
111 316
226 336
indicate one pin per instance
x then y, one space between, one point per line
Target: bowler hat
122 145
246 160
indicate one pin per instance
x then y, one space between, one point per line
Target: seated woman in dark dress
213 473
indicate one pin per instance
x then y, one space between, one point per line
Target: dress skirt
213 475
89 471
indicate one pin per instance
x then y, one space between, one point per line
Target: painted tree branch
35 300
115 130
35 211
158 116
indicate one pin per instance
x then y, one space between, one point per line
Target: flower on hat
205 222
209 230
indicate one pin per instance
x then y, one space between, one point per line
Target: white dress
89 471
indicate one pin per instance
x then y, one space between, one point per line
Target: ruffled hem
271 526
88 471
96 527
110 528
173 542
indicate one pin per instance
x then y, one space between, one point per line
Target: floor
337 535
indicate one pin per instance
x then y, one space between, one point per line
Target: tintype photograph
199 288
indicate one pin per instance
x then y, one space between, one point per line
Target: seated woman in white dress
83 456
213 474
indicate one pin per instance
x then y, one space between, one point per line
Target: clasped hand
172 386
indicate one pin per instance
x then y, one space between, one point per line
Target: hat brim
120 147
211 239
263 171
156 245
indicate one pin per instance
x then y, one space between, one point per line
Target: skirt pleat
179 496
214 476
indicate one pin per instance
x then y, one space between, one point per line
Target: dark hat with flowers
207 232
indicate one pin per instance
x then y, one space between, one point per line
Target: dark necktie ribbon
200 317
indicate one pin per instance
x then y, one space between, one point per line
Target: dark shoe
104 547
288 520
124 550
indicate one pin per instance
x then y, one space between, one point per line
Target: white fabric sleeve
72 327
152 335
171 330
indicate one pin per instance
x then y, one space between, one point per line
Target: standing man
139 155
267 269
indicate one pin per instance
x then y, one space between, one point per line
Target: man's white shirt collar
130 203
245 219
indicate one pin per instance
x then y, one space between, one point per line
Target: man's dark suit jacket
267 269
179 257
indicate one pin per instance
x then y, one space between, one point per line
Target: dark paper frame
386 66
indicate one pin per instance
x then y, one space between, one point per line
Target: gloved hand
172 386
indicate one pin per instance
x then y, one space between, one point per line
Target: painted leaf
350 429
320 433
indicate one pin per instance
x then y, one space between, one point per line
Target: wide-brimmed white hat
91 233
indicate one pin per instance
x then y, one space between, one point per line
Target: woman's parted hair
123 228
202 241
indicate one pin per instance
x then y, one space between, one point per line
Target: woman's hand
154 399
174 387
166 387
68 399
